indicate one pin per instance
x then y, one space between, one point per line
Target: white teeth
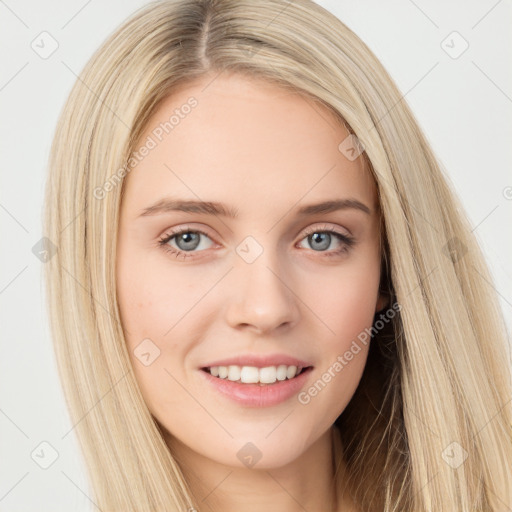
233 373
281 372
268 375
291 372
254 375
249 375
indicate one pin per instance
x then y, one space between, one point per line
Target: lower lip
254 395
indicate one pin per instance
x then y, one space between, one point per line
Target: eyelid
324 226
163 241
185 228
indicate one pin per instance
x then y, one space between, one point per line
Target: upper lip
259 361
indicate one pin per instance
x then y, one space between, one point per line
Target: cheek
162 314
151 299
344 300
147 314
344 303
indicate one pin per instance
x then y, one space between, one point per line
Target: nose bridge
261 295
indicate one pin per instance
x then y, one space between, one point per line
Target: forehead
245 142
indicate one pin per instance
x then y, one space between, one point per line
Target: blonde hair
436 375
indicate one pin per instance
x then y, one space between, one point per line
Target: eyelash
163 242
347 242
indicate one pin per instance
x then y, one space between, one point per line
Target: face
249 241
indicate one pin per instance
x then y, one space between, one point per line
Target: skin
265 152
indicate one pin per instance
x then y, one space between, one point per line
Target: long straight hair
436 386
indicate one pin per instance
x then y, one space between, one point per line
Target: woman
265 295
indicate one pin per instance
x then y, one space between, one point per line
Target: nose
262 298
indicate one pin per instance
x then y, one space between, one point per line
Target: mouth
264 376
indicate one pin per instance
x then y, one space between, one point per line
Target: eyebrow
166 205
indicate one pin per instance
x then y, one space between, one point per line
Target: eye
323 240
185 241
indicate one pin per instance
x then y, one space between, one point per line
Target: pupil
191 241
324 240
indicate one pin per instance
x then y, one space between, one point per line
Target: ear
382 302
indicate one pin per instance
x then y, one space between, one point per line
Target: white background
464 106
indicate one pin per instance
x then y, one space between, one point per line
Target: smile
253 374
